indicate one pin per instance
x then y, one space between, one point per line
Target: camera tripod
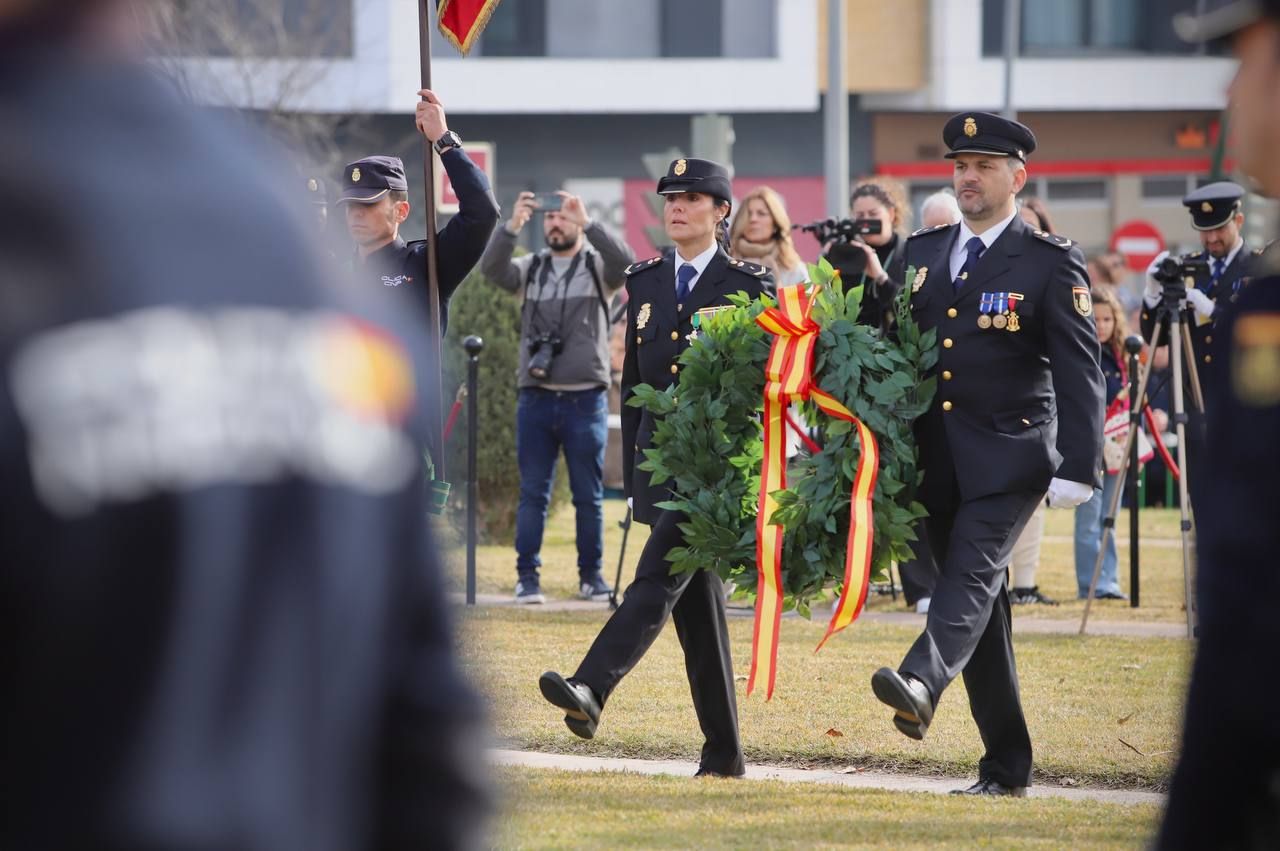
1168 314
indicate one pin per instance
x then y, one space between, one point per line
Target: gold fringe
482 21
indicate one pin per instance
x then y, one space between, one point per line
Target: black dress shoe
703 771
1028 596
580 704
912 705
994 788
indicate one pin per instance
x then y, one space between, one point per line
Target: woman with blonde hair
761 233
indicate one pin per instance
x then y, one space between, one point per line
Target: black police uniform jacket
402 265
1013 409
1223 294
656 335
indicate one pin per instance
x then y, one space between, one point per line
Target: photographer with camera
867 247
1218 272
568 291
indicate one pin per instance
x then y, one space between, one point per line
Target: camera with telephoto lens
542 349
842 231
1172 273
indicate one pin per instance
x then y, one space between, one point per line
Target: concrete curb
851 778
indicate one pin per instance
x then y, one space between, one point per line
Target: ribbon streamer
789 377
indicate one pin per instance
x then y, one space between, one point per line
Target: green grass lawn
1082 696
1161 563
553 809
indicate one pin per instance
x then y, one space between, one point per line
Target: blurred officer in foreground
665 293
222 620
1226 788
375 195
1018 412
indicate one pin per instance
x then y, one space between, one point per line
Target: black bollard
1133 345
473 346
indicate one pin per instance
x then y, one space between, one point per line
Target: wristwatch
447 141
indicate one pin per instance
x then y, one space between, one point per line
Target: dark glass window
1076 190
1075 27
1164 188
260 29
692 27
517 28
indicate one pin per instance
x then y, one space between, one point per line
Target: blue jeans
1089 518
546 422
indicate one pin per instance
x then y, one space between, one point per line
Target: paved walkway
852 778
1021 625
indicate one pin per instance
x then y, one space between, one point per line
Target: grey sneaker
529 591
594 589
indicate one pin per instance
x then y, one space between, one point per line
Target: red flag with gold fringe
462 21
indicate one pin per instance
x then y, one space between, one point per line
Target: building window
1165 187
516 29
692 28
1088 27
254 29
1058 191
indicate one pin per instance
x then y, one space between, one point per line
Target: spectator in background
876 259
1035 213
564 375
1109 321
761 233
939 209
225 624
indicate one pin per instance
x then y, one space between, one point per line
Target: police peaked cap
365 181
1214 205
984 133
694 175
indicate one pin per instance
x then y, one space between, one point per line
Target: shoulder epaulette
923 231
415 243
750 268
1257 252
642 265
1052 238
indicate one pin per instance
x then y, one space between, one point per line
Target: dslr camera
842 231
542 349
1172 273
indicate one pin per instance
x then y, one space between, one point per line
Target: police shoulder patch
1052 238
923 231
642 265
750 268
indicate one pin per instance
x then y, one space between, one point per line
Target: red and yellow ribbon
789 377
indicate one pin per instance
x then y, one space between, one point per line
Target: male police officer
375 193
1215 215
1018 411
1226 788
665 294
224 620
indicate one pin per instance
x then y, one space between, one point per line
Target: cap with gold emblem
984 133
1214 205
365 181
317 191
694 175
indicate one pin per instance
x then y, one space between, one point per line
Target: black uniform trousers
919 574
695 601
968 627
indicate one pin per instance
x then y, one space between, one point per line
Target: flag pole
434 349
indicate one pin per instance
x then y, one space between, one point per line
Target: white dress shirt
958 251
699 264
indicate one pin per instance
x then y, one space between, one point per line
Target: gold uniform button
1208 338
675 335
952 312
946 375
1208 358
639 340
947 343
674 369
946 406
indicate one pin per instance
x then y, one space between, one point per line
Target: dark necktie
975 247
1219 265
684 275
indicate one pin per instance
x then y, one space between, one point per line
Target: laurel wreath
708 443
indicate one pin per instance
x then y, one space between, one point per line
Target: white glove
1151 292
1067 494
1201 304
630 502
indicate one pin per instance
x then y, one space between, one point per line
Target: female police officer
663 295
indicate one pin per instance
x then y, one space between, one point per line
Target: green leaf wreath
708 441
